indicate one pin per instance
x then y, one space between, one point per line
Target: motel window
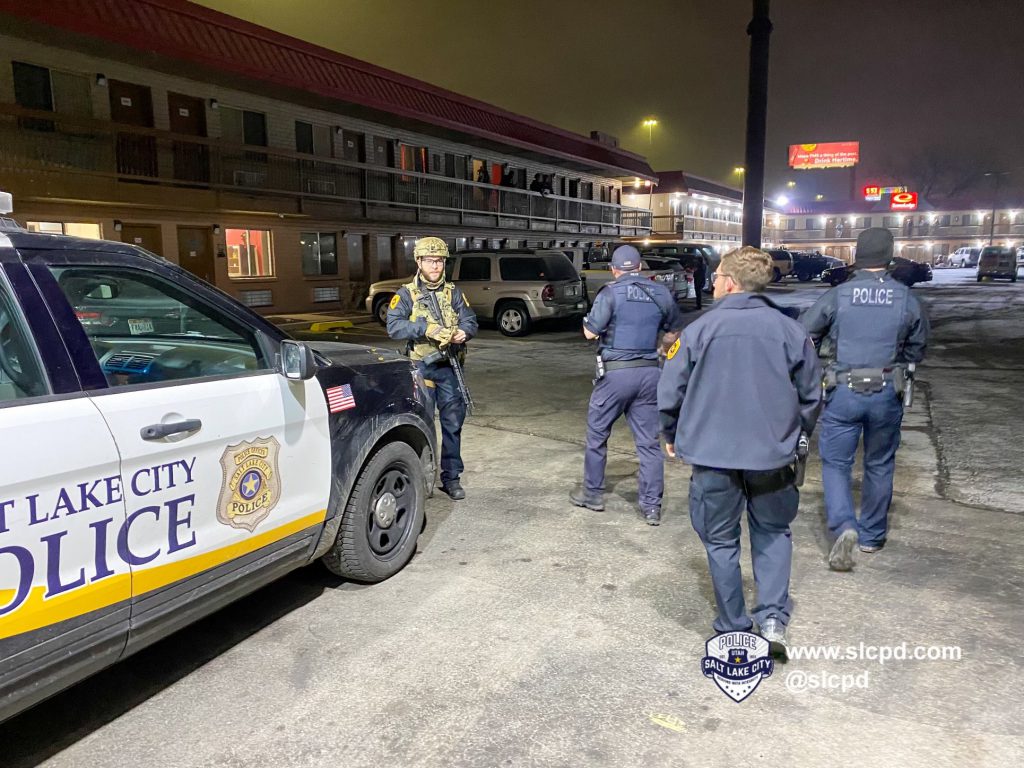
319 253
791 224
250 253
808 223
72 228
241 126
888 221
864 222
312 139
49 91
412 158
944 221
967 219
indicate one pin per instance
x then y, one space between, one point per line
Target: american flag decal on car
340 398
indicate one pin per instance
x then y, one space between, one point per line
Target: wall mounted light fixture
214 104
118 225
216 229
101 80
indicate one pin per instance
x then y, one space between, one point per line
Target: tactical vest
422 307
636 318
869 322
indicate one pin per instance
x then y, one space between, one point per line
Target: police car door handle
160 431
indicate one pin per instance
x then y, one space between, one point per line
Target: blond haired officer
432 315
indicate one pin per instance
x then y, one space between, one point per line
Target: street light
649 124
782 200
739 170
791 184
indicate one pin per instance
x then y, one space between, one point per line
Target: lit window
73 228
250 253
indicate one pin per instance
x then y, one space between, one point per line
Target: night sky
906 78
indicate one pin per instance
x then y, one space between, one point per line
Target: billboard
837 154
874 193
903 201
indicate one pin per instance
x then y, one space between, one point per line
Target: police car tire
351 555
380 308
776 274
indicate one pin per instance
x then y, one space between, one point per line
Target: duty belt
870 380
614 365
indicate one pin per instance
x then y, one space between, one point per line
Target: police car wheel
776 275
383 517
380 309
513 319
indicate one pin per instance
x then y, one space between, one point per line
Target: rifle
803 446
452 357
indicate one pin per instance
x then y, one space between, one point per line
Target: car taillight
548 293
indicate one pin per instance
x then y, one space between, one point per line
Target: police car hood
353 355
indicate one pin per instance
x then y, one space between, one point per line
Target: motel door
188 117
195 252
143 235
132 104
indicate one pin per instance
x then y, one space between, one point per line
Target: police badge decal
251 486
737 662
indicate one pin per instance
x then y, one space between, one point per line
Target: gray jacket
743 383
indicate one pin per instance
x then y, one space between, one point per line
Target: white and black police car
164 451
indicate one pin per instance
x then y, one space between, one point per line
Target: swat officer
627 316
734 396
875 326
434 317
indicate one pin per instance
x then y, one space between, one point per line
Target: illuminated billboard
903 201
837 154
874 193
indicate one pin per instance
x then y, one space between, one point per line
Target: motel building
287 175
924 230
688 207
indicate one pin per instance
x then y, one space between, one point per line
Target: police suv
164 451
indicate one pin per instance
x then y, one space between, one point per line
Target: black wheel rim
392 509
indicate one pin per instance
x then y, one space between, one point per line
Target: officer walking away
875 327
435 318
627 316
734 397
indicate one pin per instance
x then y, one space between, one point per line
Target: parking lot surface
528 632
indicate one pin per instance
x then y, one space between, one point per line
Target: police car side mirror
297 360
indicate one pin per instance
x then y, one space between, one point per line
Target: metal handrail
54 141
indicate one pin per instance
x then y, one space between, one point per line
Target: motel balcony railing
38 145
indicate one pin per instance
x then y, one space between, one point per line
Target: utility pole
760 30
997 177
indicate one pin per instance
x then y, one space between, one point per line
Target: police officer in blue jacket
627 316
735 394
875 326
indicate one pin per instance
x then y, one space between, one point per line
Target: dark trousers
633 391
452 412
699 276
846 416
717 500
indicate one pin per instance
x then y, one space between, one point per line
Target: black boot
454 489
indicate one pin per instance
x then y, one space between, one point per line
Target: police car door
225 464
64 597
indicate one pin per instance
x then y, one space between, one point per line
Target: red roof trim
184 31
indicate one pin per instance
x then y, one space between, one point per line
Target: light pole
649 124
759 30
997 177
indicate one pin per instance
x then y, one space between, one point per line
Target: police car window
21 375
145 329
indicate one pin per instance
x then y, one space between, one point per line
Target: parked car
997 261
808 266
782 263
686 254
1020 256
515 288
906 271
170 451
964 257
594 266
